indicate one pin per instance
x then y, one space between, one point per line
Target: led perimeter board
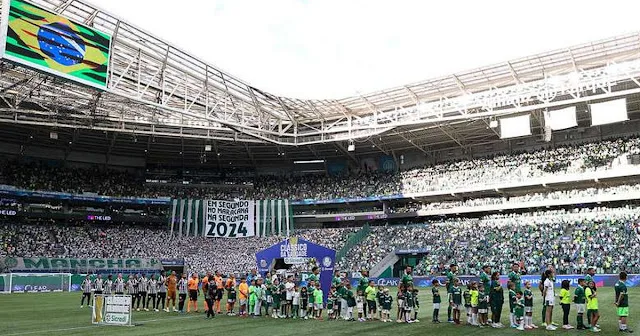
40 39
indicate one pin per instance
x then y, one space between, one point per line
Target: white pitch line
93 326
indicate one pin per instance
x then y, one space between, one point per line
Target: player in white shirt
549 297
289 287
295 303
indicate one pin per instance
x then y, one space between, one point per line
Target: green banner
43 40
71 264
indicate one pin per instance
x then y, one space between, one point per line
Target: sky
338 48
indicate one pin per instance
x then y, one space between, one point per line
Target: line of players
157 291
286 299
487 296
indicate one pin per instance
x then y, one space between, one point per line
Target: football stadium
144 191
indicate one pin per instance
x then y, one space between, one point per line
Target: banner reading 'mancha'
73 264
43 40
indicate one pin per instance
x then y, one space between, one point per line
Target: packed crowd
450 175
561 195
77 239
569 240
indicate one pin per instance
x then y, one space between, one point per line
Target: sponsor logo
116 318
263 263
326 261
8 212
295 260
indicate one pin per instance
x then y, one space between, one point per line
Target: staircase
353 240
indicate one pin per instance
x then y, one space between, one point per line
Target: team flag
274 217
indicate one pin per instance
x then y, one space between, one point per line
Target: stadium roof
159 93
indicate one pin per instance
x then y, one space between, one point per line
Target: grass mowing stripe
59 314
97 326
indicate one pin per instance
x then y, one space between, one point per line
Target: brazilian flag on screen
49 42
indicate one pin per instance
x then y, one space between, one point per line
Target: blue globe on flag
61 44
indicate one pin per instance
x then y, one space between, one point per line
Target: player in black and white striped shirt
142 292
86 291
132 289
152 289
119 285
98 284
183 286
162 290
108 285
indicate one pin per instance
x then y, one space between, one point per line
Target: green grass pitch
60 314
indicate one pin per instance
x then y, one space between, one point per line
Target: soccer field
60 314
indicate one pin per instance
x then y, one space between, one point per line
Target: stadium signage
61 264
296 260
602 280
8 212
293 250
229 219
116 310
98 218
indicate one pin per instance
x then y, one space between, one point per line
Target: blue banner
296 251
17 192
602 280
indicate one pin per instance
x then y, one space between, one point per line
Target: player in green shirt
379 299
318 302
528 306
408 305
416 304
591 272
252 296
435 292
331 303
407 278
483 304
351 302
275 292
514 276
622 302
450 274
455 301
341 292
512 304
485 278
336 280
387 302
363 283
518 311
310 290
496 300
580 300
315 275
